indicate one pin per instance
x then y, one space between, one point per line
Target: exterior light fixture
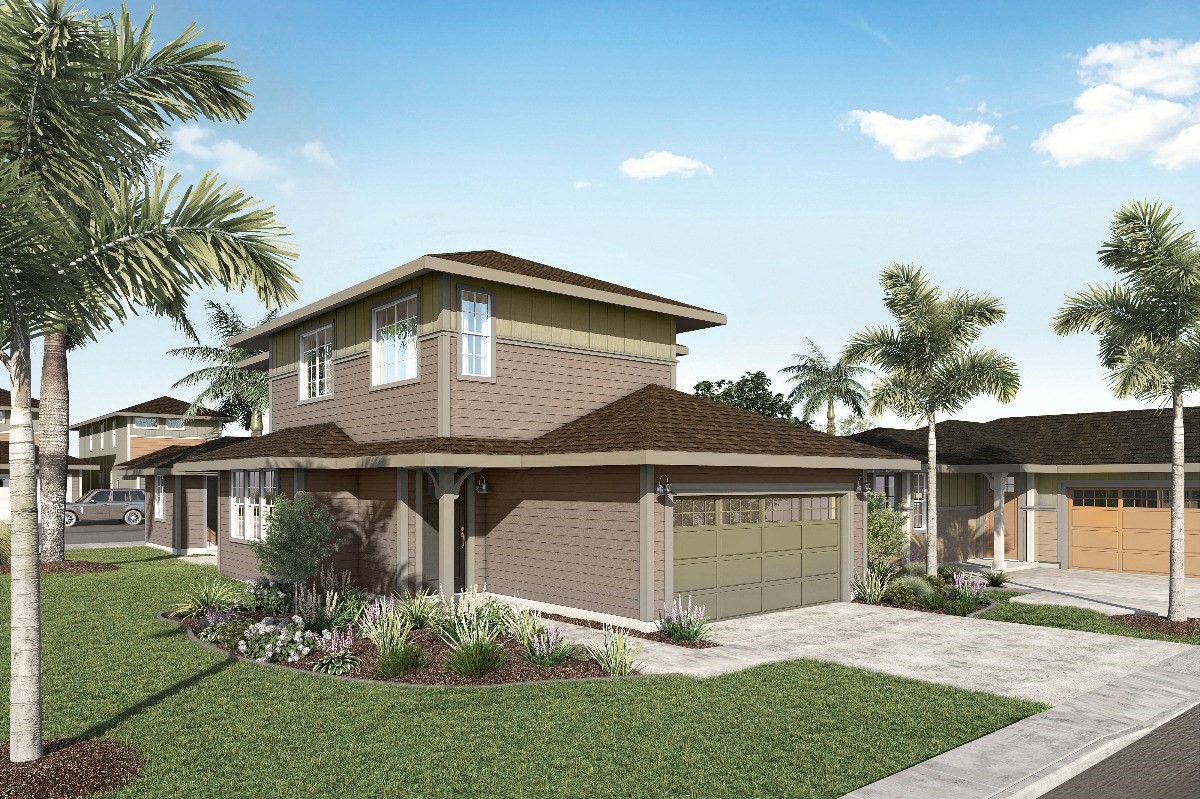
861 486
664 487
481 486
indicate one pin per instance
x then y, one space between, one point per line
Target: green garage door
742 555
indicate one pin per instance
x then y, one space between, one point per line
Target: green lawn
206 728
1068 618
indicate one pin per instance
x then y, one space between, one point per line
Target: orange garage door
1129 530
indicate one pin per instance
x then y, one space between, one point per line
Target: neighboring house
477 418
6 415
1081 490
140 430
76 469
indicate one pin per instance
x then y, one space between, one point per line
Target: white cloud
231 159
1163 66
1140 100
925 136
317 152
660 163
581 184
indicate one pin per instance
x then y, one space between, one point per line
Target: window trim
414 296
154 426
160 489
301 370
490 377
920 518
175 424
264 503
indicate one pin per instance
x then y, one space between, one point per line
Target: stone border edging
233 657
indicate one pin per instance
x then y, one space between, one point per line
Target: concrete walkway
1037 663
1107 592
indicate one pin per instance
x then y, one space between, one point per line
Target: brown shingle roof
1084 439
6 399
169 456
71 459
168 406
493 259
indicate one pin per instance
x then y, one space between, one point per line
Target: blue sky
810 145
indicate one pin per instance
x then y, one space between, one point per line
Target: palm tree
84 105
821 383
928 366
240 393
1149 329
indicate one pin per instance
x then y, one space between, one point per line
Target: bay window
316 363
476 338
394 341
251 496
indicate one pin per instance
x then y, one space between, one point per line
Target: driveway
1018 660
1107 592
88 535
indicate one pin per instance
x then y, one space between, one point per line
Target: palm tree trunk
55 439
1176 604
931 529
830 427
256 423
25 657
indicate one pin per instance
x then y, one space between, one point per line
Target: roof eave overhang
1062 468
686 318
78 425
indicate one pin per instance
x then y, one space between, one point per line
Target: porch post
469 577
646 547
403 566
418 506
997 481
447 494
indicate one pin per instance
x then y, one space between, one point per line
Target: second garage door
1129 530
739 555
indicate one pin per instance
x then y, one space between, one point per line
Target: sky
765 160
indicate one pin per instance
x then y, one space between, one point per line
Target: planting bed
69 768
657 635
516 668
1159 624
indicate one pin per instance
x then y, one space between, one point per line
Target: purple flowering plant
681 622
548 647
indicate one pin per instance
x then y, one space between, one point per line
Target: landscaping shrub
381 623
422 610
680 623
401 659
344 601
524 626
5 544
210 592
300 533
338 659
214 622
919 586
936 600
272 641
269 596
474 648
914 568
870 588
547 647
473 608
961 606
887 530
936 582
968 587
995 579
899 593
947 573
614 653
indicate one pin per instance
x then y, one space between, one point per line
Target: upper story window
394 341
146 422
476 333
91 437
3 415
174 424
316 363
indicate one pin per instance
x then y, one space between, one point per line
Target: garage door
741 555
1129 530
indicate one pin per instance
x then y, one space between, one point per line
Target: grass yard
207 728
1069 618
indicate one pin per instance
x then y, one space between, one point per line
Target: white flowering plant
277 640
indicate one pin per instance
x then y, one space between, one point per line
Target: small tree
887 530
750 392
301 533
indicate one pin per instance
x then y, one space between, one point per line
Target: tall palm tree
1149 328
240 393
927 363
84 105
821 383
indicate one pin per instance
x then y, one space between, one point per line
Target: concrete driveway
1107 592
1038 663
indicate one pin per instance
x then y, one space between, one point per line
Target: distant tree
751 392
822 385
850 425
1149 328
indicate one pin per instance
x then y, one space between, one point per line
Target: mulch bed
1158 624
515 669
70 567
70 768
921 608
657 636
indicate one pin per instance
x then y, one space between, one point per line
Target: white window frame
160 513
114 431
400 354
252 495
920 512
91 437
174 424
139 422
476 341
315 382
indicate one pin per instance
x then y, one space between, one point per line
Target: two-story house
6 414
478 418
139 430
76 469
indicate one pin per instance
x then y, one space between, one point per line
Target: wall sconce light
481 486
861 486
664 487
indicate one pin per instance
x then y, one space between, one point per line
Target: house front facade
1079 491
480 419
77 470
6 415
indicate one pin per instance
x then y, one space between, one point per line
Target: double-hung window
316 363
252 495
394 341
174 424
160 512
146 422
918 501
476 333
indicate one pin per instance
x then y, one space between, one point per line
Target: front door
1011 522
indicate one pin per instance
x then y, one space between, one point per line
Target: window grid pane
316 358
476 334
